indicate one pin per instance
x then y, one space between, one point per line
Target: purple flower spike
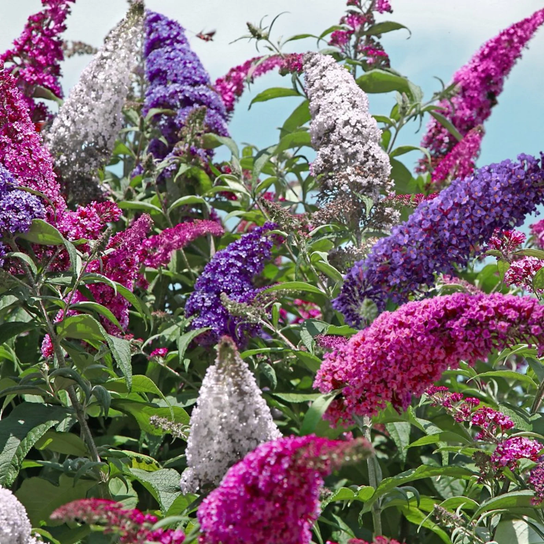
441 233
231 271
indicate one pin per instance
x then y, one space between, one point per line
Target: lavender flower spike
178 82
15 527
231 271
442 233
230 420
84 132
350 161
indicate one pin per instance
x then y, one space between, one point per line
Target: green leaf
162 484
315 413
517 532
297 397
510 375
65 443
295 286
446 123
43 233
85 305
300 138
380 81
529 252
445 436
139 205
228 142
19 431
41 497
185 339
274 92
14 328
300 116
25 258
385 26
142 412
81 327
419 473
514 499
187 200
400 433
140 384
120 350
538 279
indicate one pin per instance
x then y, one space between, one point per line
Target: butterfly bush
231 271
178 82
158 249
17 208
37 53
84 131
230 420
441 233
132 526
459 162
21 151
272 495
373 368
14 524
479 83
231 86
350 161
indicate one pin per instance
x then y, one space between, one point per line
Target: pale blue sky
444 36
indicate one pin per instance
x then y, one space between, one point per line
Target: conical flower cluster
84 132
272 495
230 420
479 84
15 527
350 161
36 55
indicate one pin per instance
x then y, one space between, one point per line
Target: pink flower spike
279 483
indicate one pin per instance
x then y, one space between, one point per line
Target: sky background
444 37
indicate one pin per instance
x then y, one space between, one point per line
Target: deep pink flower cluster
372 369
354 23
21 151
122 265
455 403
509 451
231 86
537 230
522 272
459 162
479 84
36 55
536 481
132 526
506 241
491 422
159 352
158 249
330 341
272 495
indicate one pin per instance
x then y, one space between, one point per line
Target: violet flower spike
231 271
442 233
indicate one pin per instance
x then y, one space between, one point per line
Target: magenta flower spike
479 84
272 495
404 352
